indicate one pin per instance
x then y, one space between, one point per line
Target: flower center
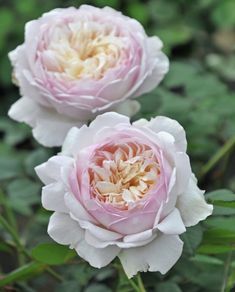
84 49
123 174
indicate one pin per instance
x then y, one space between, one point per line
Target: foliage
198 91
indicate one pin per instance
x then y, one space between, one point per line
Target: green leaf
168 287
23 273
180 73
23 193
221 222
230 204
97 288
52 253
68 286
176 34
137 10
13 133
35 158
201 274
7 19
10 167
222 236
192 238
111 3
225 66
205 259
219 196
223 198
223 14
215 249
157 10
5 248
209 86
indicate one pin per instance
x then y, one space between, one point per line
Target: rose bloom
123 190
77 63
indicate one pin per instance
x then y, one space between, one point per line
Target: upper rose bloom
123 190
78 63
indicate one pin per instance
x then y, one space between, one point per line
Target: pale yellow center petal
123 174
84 50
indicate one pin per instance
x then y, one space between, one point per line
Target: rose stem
217 156
140 283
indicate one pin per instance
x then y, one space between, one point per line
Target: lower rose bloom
126 190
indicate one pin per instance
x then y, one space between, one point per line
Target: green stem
120 269
9 213
11 227
12 232
226 272
133 284
140 283
217 157
54 274
21 249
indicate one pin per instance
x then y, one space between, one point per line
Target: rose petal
50 171
76 210
96 257
172 224
159 255
99 232
192 205
51 128
128 108
24 110
158 66
168 125
64 230
53 197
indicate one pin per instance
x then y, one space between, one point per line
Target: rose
123 190
77 63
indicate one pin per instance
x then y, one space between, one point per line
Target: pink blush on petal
121 184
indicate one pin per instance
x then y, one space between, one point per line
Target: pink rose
123 190
78 63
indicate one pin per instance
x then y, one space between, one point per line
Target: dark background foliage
199 38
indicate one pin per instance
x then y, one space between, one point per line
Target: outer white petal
77 139
183 171
51 128
50 171
24 110
140 123
128 108
192 204
64 230
96 257
179 180
172 224
110 119
99 232
159 64
13 55
164 124
53 197
141 236
138 239
159 255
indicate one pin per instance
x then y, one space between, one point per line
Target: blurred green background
199 39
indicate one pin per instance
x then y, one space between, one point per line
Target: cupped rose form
123 190
77 63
